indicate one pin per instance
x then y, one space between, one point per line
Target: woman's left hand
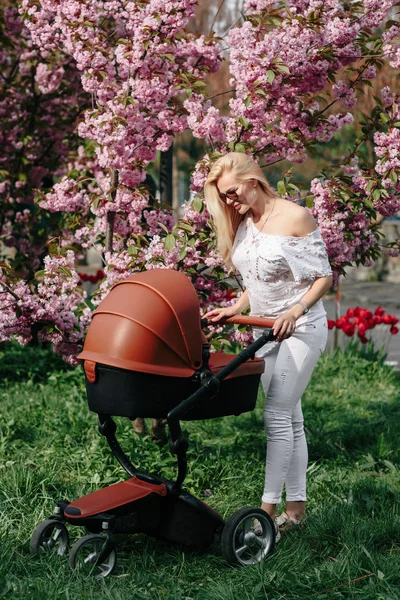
285 326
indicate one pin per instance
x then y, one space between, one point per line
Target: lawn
50 449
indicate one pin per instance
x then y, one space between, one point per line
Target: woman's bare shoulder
298 219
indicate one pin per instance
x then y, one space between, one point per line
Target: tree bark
111 214
166 165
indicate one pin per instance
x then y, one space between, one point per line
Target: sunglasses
229 195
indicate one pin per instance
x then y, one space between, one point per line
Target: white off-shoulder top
278 270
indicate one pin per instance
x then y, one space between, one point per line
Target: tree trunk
166 163
111 214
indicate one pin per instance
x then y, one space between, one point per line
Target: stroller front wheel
85 555
50 537
248 537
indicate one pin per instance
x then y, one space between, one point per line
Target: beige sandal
286 523
258 529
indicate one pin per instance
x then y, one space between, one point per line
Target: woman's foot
257 528
285 522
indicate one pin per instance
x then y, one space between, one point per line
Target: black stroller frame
156 506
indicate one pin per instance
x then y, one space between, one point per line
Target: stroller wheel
248 537
50 537
85 553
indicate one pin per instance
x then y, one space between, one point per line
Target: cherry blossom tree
133 78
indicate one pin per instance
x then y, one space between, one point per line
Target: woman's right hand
217 314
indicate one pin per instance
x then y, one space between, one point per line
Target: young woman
282 259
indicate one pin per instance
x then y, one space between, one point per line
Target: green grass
50 449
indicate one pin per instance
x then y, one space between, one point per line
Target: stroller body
145 355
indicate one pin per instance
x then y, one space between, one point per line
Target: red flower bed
98 276
360 320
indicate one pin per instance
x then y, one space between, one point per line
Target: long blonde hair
226 219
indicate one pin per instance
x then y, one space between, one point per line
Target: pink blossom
345 94
48 80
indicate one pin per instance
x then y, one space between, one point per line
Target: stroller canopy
149 322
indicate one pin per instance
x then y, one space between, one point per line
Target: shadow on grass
23 363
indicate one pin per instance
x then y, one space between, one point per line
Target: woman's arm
230 311
303 224
242 303
285 326
311 297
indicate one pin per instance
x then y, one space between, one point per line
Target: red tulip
348 329
362 328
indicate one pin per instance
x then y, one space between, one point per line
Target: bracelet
304 306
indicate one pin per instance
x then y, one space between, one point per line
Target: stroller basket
145 352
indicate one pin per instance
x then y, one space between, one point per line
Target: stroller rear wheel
85 555
248 537
50 537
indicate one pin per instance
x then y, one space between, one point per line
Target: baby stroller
145 355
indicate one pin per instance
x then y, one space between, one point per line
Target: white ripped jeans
288 369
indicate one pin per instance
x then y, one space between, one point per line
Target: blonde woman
279 252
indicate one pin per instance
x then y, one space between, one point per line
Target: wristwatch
305 307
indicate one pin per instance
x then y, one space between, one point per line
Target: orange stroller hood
149 322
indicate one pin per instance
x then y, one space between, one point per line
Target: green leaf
384 117
182 253
247 101
96 202
132 250
270 76
370 185
170 242
65 271
281 188
240 148
163 227
283 69
309 201
185 226
169 57
197 204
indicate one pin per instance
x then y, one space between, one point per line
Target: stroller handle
250 321
242 320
